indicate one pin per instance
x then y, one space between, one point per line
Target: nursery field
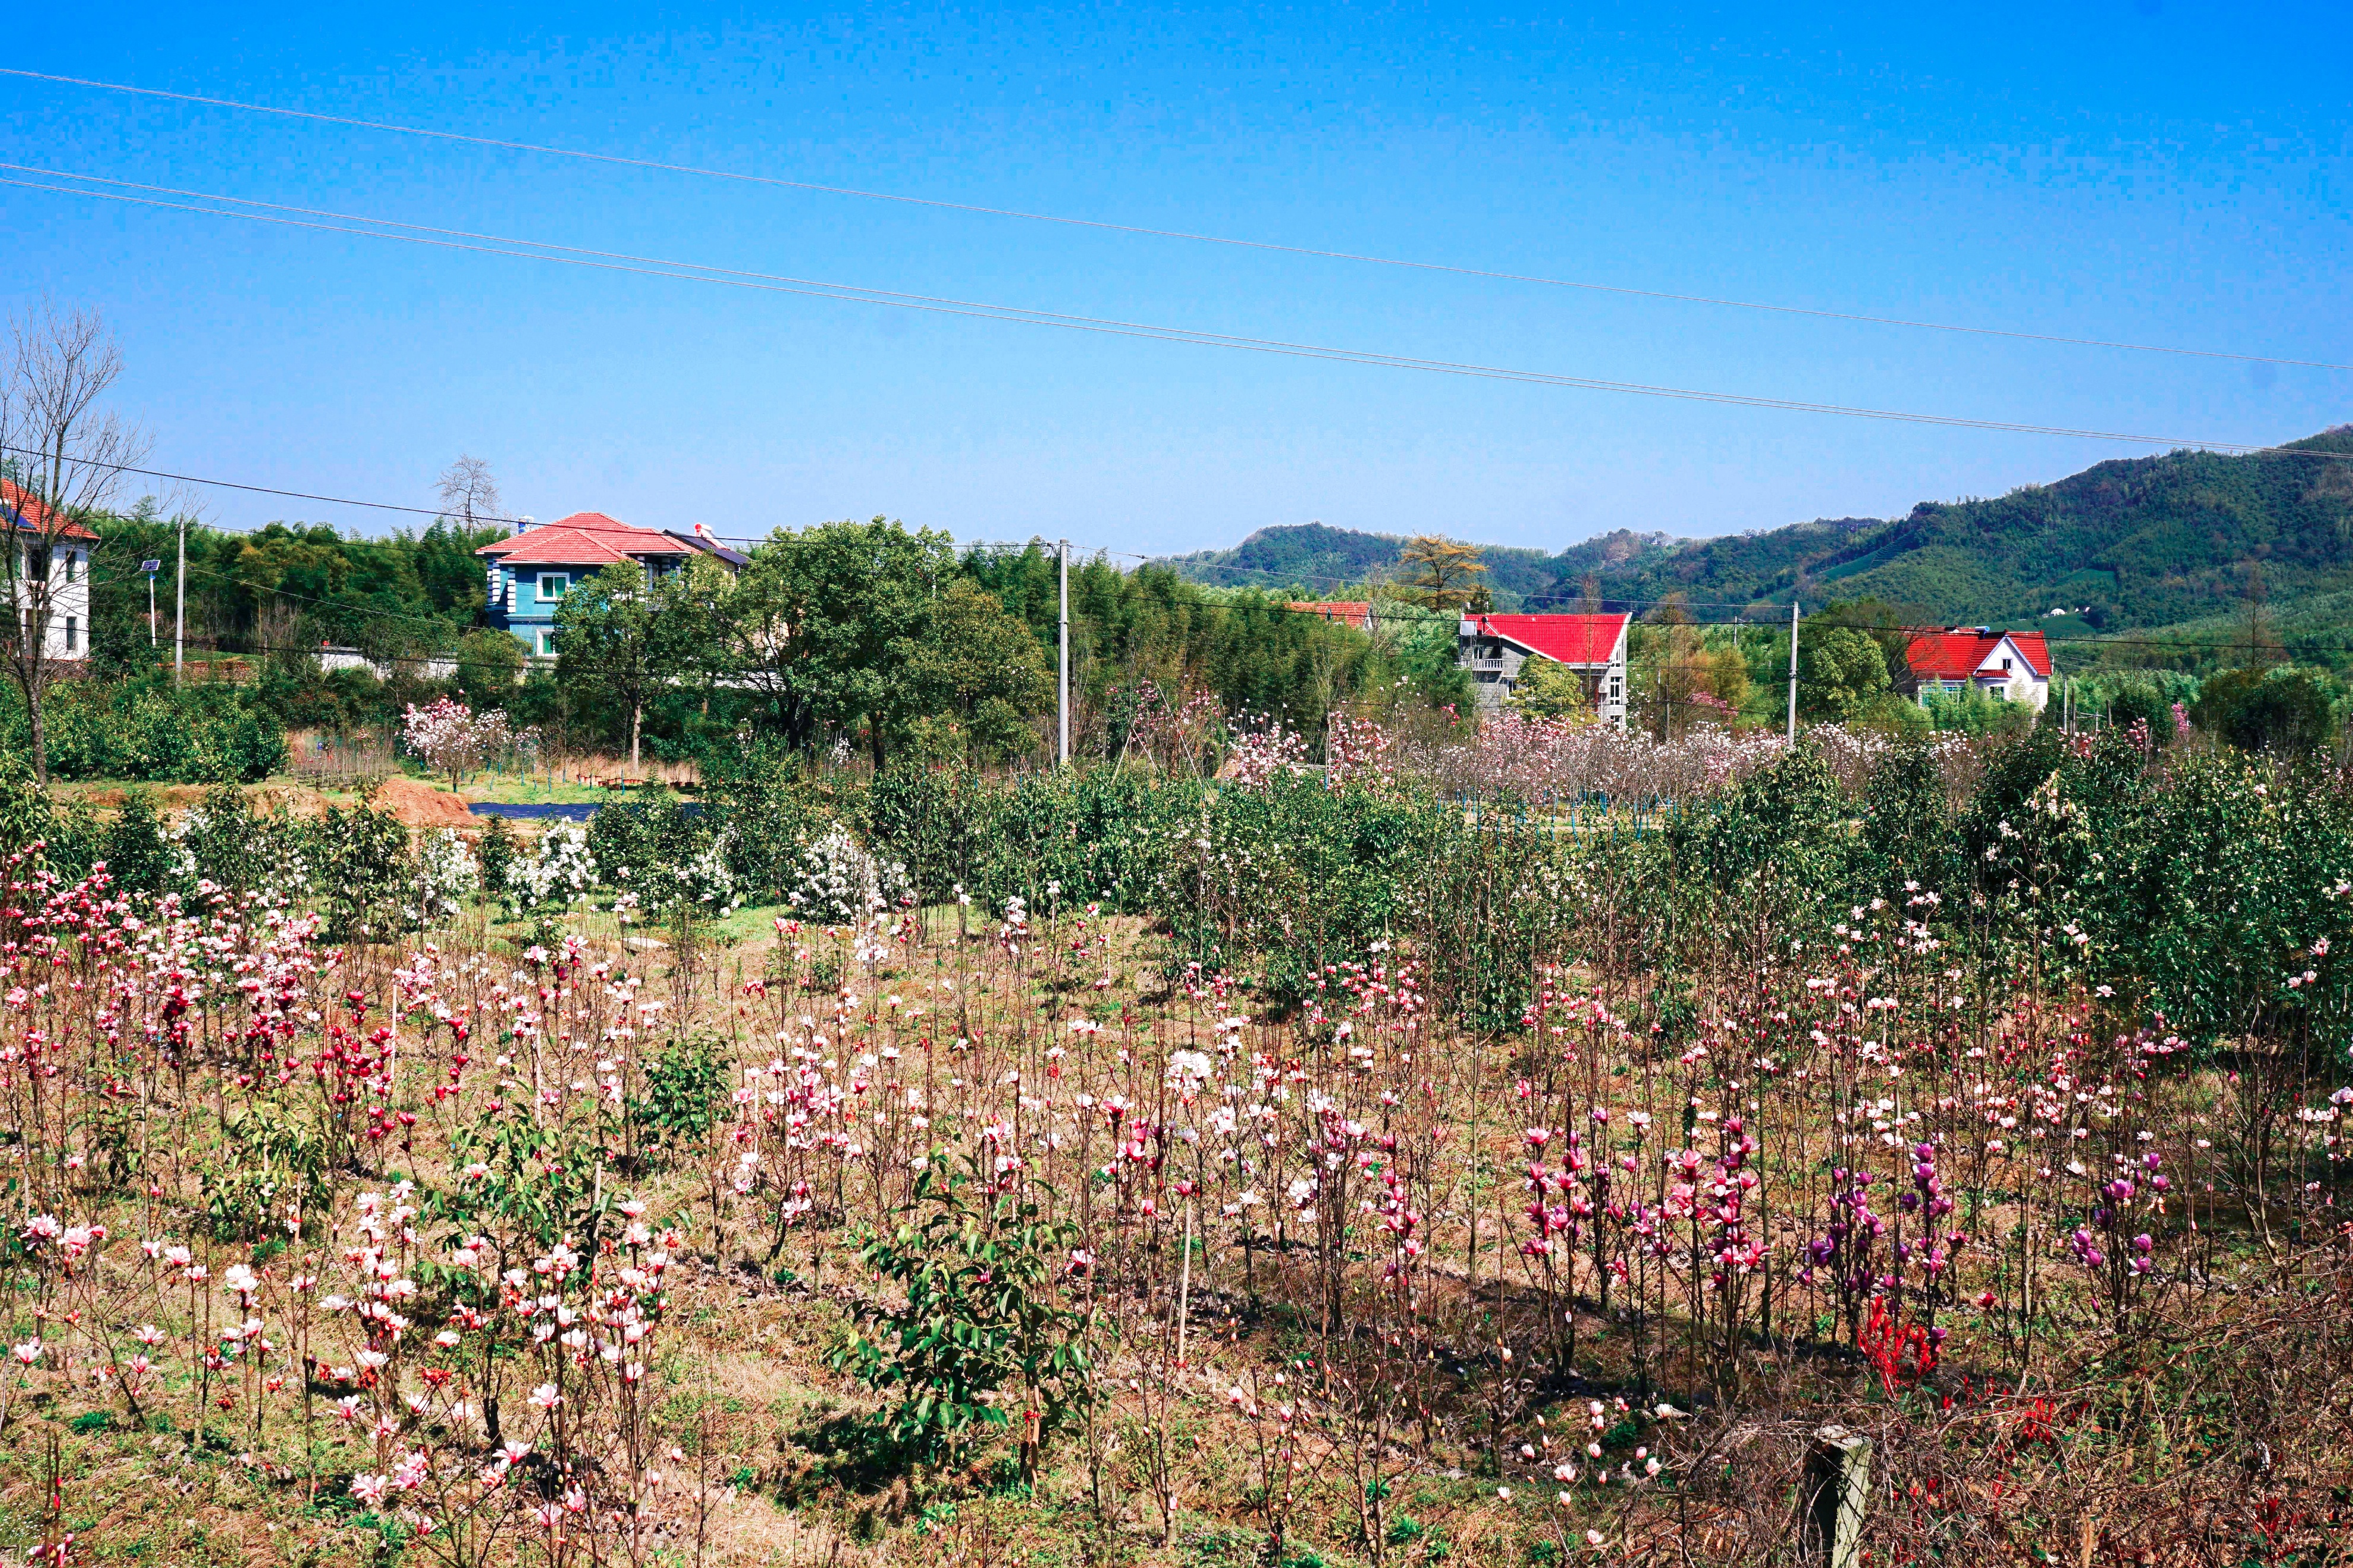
1301 1168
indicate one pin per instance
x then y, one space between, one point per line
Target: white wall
69 598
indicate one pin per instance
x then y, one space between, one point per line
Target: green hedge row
150 731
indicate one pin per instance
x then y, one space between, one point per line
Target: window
73 558
552 586
2005 666
1617 688
72 631
546 644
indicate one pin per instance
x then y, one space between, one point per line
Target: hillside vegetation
2140 543
1316 557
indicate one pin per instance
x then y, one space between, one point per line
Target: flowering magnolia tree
450 738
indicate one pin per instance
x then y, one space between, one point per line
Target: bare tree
469 494
65 458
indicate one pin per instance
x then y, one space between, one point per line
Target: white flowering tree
450 738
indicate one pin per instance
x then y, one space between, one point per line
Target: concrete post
1793 673
1063 680
1838 1488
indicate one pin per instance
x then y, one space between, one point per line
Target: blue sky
2143 170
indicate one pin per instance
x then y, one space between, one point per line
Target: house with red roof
2009 666
531 571
1495 648
53 551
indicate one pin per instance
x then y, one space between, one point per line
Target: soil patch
420 805
414 802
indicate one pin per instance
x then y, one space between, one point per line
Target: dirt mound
419 804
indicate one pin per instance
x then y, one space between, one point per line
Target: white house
2009 666
1494 647
64 567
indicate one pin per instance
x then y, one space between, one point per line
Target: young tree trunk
30 666
874 739
34 717
637 717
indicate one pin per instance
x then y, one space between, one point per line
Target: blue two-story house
531 571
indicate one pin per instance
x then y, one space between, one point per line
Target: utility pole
180 609
1793 672
1062 689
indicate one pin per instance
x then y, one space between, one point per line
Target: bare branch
61 461
469 494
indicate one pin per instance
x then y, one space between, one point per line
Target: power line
1269 246
259 489
696 272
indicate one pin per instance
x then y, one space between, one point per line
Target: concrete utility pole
1838 1488
180 609
1793 672
1062 697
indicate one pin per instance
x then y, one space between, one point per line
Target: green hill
1317 559
2137 543
2166 543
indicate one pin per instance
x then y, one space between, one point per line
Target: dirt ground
416 803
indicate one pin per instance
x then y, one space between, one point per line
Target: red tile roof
1348 612
1960 654
1570 639
583 539
30 516
579 521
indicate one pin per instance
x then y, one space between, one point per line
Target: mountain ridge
2127 543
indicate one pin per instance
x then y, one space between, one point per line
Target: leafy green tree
983 667
490 667
825 623
1547 688
1841 669
617 637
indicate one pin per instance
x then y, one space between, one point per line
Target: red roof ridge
1566 639
1960 653
32 512
603 537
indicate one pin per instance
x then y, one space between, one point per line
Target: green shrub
152 732
496 851
138 852
2274 711
684 1087
984 1307
362 856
